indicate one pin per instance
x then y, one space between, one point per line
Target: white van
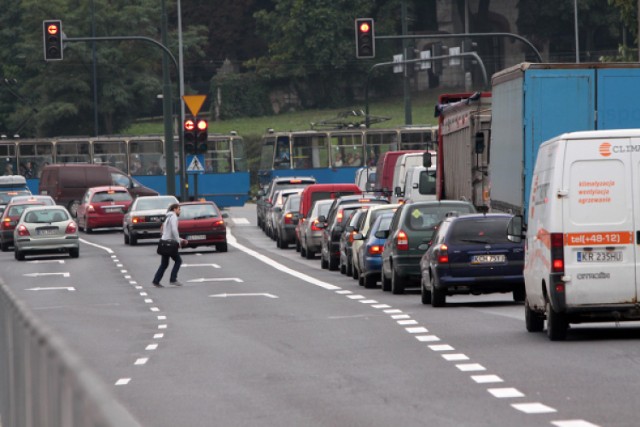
582 260
366 178
404 163
420 184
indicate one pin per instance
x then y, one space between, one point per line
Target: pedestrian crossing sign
195 164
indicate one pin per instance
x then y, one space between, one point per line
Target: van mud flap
557 295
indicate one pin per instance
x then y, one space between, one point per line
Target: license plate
156 219
47 232
196 237
487 259
112 210
612 256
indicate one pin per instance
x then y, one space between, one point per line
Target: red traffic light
53 29
365 27
202 125
189 124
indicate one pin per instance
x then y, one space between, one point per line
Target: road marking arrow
242 295
217 279
201 265
68 288
46 274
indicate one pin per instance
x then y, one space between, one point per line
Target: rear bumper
480 285
407 266
104 221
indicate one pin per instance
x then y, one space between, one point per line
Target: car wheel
19 255
349 268
222 247
342 266
438 296
424 293
397 283
354 272
303 252
309 254
87 229
4 246
556 324
73 208
519 294
386 283
284 244
133 240
126 237
533 320
323 263
369 281
74 252
333 263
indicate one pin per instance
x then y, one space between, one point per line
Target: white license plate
47 232
487 259
610 256
196 237
112 210
156 219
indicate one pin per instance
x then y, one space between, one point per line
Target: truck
464 121
533 103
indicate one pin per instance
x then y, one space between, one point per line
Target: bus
334 156
224 180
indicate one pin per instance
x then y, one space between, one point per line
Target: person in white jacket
170 232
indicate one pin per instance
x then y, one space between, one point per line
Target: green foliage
238 95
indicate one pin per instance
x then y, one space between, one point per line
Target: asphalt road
259 336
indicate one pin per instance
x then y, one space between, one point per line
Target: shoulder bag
168 247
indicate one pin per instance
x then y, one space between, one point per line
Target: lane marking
393 311
201 265
427 338
355 296
343 292
573 423
417 330
533 408
407 322
486 379
240 221
505 393
158 336
470 367
216 279
104 248
123 381
162 317
441 347
151 347
381 306
368 301
45 261
54 288
141 361
243 295
454 357
65 274
400 316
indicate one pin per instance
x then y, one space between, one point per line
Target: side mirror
225 215
515 229
398 191
358 236
479 139
277 209
426 160
320 224
322 219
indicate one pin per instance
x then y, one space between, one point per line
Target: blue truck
536 102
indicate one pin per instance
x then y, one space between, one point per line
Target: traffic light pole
415 61
168 131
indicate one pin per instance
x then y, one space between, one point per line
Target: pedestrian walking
170 232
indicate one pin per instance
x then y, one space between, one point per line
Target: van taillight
443 254
402 241
557 253
288 218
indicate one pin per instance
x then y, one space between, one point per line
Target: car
354 222
370 253
413 224
38 198
103 206
46 229
309 234
265 196
9 220
11 186
286 220
274 211
203 224
356 246
144 218
334 226
472 254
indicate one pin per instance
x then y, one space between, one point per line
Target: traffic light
190 136
52 40
202 134
365 38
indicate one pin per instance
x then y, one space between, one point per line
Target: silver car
310 235
145 217
45 229
356 247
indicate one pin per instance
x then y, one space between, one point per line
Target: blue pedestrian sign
195 164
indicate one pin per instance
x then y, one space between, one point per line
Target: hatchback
44 229
144 218
413 224
202 224
354 223
356 246
9 220
471 254
309 233
103 207
370 252
286 221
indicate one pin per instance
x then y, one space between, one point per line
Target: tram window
379 143
217 158
310 151
33 157
239 156
8 158
112 153
144 156
418 140
266 153
72 152
346 149
283 154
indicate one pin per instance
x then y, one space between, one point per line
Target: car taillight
22 231
557 253
375 249
402 241
6 223
90 208
351 234
314 227
288 218
443 255
72 228
137 219
339 216
219 223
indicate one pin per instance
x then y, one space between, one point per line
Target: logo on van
605 149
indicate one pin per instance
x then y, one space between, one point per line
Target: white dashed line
369 301
127 277
400 316
407 322
533 408
505 393
441 347
486 379
162 326
427 338
393 311
158 336
343 292
470 367
162 317
573 423
355 296
123 271
123 381
154 309
151 347
119 265
141 361
148 301
417 330
456 357
133 282
143 294
381 306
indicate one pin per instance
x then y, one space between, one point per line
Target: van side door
600 210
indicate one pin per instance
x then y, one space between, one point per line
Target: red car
202 224
9 220
103 207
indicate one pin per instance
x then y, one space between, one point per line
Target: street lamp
575 21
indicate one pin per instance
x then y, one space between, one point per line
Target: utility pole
407 47
167 109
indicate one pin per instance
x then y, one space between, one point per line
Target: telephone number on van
600 256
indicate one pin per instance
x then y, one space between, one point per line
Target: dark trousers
177 262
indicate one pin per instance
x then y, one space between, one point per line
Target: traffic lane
104 320
251 359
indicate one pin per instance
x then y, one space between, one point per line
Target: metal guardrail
42 382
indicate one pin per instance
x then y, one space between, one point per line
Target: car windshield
46 216
18 209
6 196
111 196
482 230
154 203
198 211
427 217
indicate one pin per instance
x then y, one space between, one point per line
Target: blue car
472 254
370 252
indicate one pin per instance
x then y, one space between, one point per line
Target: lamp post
575 22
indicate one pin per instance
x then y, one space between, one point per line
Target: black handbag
168 247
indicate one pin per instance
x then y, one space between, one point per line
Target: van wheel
397 285
556 324
73 208
533 320
438 296
519 294
424 293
